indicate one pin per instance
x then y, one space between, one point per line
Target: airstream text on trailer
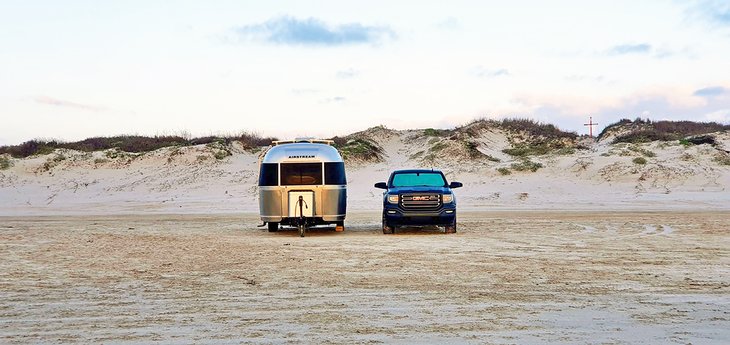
302 183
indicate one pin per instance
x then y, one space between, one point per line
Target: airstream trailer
302 184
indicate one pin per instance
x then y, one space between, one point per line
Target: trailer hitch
302 220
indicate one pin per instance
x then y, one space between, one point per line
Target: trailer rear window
293 174
334 173
269 174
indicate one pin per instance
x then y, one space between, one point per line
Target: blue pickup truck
418 197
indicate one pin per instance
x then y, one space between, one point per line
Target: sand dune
192 180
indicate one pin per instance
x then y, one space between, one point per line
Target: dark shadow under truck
418 197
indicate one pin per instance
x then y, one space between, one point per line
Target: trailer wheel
273 226
301 230
451 228
387 228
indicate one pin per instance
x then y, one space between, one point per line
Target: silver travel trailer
302 183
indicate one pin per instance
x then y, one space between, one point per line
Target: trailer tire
273 226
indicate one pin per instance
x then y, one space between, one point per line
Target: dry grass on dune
130 143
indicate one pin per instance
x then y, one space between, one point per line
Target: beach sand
505 278
111 247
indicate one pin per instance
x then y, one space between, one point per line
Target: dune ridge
502 168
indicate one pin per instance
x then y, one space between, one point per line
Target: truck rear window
293 174
418 179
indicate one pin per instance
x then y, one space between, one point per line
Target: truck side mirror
381 185
455 185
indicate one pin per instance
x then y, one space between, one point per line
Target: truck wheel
273 227
387 229
451 228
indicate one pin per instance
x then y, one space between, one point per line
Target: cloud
348 73
305 91
63 103
586 78
657 52
664 107
570 112
712 91
713 12
481 72
338 99
449 23
721 116
623 49
313 32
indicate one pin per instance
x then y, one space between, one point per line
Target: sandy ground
504 278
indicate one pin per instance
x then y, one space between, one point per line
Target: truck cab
418 197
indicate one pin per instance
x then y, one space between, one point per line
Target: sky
76 69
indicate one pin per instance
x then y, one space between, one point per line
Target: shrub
646 131
360 148
610 127
220 154
644 136
639 160
536 128
339 141
438 146
30 148
114 153
565 151
5 163
129 143
437 132
504 171
473 149
642 151
534 149
700 139
532 127
251 140
525 165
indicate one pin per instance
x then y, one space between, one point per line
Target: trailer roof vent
304 140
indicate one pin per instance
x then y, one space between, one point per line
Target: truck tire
273 226
451 228
387 228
